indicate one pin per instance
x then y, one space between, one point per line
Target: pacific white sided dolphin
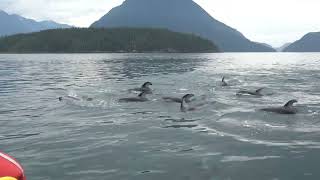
286 109
140 98
254 93
177 100
144 88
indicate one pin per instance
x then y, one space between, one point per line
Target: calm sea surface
227 138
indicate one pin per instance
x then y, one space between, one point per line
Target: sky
270 21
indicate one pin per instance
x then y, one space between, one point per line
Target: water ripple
90 135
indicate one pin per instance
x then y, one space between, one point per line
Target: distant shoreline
106 52
106 40
4 53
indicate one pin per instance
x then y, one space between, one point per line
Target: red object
10 167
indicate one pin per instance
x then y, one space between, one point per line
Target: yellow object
8 178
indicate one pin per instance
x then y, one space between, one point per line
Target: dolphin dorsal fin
146 84
290 103
259 90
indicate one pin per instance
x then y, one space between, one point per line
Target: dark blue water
227 138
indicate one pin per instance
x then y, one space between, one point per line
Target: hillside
308 43
180 16
105 40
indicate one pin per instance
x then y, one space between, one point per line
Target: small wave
143 112
275 143
86 172
17 136
181 126
246 158
180 120
54 89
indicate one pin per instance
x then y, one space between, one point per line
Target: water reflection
146 65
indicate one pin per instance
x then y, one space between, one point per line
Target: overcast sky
271 21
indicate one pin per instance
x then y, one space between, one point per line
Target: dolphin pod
288 108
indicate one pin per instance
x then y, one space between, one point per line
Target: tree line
78 40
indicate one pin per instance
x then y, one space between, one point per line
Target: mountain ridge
308 43
180 16
15 24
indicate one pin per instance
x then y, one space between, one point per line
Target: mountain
281 48
77 40
308 43
265 44
14 24
180 16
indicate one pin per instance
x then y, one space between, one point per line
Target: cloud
76 12
5 3
272 21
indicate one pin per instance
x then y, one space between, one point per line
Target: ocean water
226 138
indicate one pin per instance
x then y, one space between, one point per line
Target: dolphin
253 93
286 109
144 88
140 98
177 100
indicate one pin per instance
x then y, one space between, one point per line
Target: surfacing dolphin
253 93
177 100
286 109
140 98
183 108
144 88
